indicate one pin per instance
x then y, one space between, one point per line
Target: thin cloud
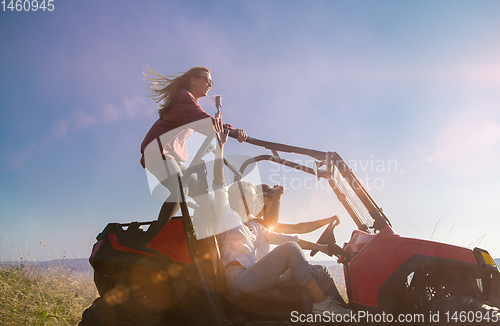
17 159
110 113
80 120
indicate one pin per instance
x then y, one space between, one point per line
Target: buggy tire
100 314
467 307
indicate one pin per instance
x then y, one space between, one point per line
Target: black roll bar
375 212
319 155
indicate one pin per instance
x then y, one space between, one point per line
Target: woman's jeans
284 267
325 281
265 274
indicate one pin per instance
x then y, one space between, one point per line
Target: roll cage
330 166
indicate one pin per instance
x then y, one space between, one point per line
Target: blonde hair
166 88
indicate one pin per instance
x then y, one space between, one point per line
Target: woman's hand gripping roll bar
239 134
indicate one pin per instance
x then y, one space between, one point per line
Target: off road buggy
171 274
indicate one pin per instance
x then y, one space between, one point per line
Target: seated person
269 216
246 274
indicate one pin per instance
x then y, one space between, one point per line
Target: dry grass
342 290
338 278
29 296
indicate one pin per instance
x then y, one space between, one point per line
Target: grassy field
30 296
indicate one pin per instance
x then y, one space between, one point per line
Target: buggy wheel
463 311
101 314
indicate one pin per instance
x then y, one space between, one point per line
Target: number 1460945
28 5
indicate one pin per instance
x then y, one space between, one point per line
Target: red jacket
184 110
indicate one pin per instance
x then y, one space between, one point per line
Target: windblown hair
234 192
166 88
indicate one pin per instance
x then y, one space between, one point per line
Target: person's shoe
330 305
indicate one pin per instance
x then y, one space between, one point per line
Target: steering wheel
327 237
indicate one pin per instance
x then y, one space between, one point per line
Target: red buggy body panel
380 255
171 242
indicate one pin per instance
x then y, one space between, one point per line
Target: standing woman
164 146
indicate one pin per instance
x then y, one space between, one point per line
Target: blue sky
416 83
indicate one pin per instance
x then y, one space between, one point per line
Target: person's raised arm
219 158
271 219
305 227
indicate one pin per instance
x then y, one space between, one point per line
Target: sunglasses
208 79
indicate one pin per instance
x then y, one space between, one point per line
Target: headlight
484 258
